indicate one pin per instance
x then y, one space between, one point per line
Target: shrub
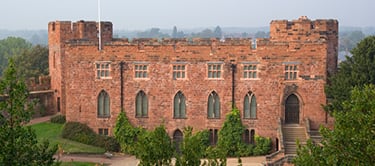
82 133
108 143
192 148
126 134
263 145
154 147
79 132
58 119
230 135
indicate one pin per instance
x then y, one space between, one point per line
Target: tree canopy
19 145
352 142
32 62
357 70
10 47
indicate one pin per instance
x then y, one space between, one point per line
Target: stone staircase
315 136
291 134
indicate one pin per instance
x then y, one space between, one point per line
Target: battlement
302 29
281 31
61 31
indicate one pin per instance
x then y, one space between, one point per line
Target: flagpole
100 27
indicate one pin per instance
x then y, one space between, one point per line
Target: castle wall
74 75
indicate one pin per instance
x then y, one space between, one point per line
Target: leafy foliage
125 133
9 48
33 62
215 157
357 70
230 136
154 148
263 145
352 142
82 133
19 145
193 147
58 119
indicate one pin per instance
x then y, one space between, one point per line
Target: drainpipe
122 84
233 67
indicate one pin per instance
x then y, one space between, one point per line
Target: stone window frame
103 131
291 70
141 105
250 106
103 105
179 71
248 137
179 106
213 136
212 70
248 74
215 106
103 69
141 70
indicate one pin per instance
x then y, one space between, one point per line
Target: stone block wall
311 45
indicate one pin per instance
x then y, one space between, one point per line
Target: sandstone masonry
291 68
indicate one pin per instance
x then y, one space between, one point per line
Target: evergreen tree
230 136
357 70
154 148
19 145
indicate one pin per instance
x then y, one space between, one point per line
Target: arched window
213 110
179 106
103 104
177 139
252 136
246 136
250 106
141 104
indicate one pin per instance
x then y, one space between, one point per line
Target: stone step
291 134
291 147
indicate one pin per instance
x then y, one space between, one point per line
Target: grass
52 132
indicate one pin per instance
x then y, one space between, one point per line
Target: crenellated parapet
303 30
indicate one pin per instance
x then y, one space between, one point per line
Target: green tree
125 133
352 142
357 70
19 145
154 148
32 62
10 47
230 135
193 147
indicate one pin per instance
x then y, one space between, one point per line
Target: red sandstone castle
194 82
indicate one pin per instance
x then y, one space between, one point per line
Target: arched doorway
292 109
177 139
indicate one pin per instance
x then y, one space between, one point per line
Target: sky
145 14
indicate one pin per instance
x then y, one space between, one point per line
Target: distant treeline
348 36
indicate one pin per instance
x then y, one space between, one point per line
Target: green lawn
52 132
